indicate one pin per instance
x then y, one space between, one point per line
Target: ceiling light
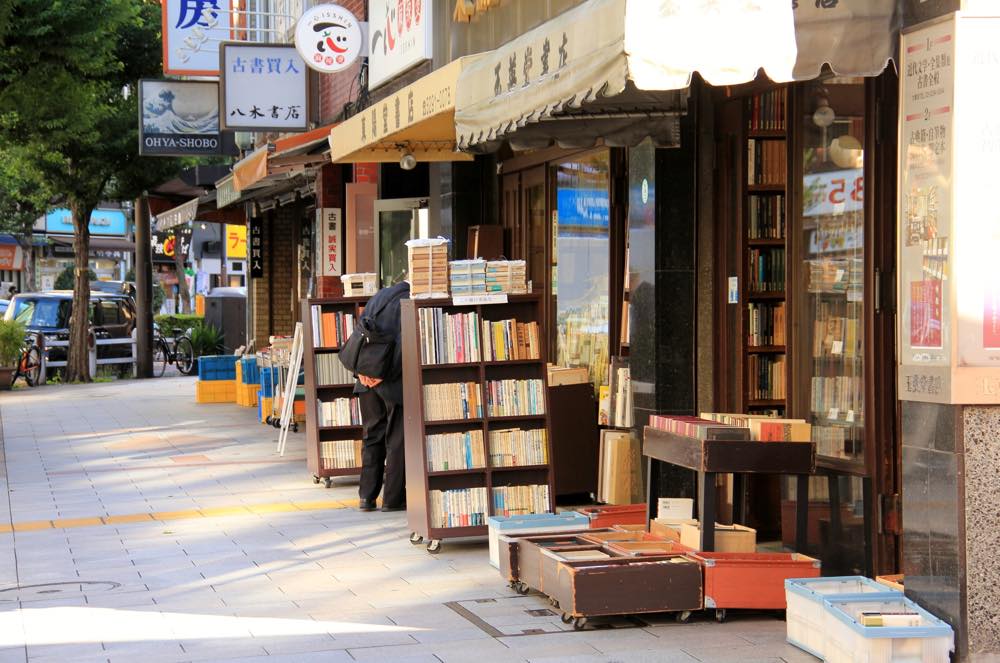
407 161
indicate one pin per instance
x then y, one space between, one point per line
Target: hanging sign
264 88
330 227
401 37
179 118
192 32
256 232
329 38
236 242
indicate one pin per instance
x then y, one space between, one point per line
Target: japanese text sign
236 242
329 236
255 231
401 37
192 32
179 118
264 88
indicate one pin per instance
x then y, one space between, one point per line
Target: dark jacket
385 305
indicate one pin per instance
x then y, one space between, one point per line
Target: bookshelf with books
476 415
333 416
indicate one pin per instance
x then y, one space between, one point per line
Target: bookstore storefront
765 248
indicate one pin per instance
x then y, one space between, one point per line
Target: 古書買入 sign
329 38
264 87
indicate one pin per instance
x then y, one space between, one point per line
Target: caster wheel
683 617
434 546
416 539
316 479
327 482
579 623
554 603
295 428
522 588
566 618
720 615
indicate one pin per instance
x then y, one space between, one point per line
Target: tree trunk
78 362
184 295
28 248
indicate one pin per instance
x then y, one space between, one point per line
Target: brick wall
335 90
273 294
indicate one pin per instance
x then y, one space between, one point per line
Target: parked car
111 316
3 306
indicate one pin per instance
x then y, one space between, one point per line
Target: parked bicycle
29 366
179 351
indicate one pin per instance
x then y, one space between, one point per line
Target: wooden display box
669 529
728 538
620 514
648 548
508 561
752 580
730 456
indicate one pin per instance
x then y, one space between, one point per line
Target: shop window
580 270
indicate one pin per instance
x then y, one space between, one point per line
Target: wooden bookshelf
316 391
764 249
416 374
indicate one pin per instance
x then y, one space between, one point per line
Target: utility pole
144 290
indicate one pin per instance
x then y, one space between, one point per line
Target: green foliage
11 342
65 279
176 324
206 340
158 295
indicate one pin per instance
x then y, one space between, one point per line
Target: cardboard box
728 538
669 528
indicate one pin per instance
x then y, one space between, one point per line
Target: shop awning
99 243
419 119
203 208
177 216
618 68
11 255
286 156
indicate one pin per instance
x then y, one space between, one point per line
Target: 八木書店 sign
192 32
179 118
264 88
400 37
329 38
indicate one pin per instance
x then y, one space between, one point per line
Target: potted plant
11 345
205 340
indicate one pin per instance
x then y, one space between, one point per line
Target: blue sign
102 222
586 209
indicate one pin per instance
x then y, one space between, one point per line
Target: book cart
423 487
318 390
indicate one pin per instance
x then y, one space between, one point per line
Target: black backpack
368 351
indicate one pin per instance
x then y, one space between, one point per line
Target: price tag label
473 300
850 416
837 348
834 413
840 276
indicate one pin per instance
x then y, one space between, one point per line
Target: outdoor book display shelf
730 456
333 447
487 420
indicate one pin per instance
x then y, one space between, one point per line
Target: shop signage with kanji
264 88
401 37
236 241
329 38
192 32
179 118
255 231
329 221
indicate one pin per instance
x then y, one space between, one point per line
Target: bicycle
29 366
180 353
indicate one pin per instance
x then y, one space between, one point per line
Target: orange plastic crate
752 580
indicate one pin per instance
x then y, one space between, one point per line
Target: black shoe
401 507
366 505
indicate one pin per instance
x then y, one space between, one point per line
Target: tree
24 196
67 278
68 99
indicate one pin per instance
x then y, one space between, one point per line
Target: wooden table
737 457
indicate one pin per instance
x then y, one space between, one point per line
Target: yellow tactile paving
187 514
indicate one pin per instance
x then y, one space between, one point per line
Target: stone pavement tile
449 634
13 655
336 656
469 651
220 648
128 600
646 656
294 644
67 652
615 640
685 636
747 654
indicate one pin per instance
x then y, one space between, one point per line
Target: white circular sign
645 191
328 37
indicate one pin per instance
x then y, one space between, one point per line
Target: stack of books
467 277
455 400
619 469
330 329
509 276
767 270
329 370
455 451
766 161
428 263
698 428
780 430
339 412
462 507
519 500
767 324
340 454
510 398
504 340
448 338
766 376
515 447
363 284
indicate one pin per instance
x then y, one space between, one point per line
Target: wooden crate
752 580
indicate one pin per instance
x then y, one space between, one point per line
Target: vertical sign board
236 242
179 118
401 37
192 32
264 88
255 231
330 233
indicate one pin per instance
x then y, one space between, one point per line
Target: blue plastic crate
217 367
248 370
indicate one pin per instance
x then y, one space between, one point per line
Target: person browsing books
381 401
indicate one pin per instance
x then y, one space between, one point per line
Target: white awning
178 216
614 62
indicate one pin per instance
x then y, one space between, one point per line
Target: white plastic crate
847 641
805 613
567 521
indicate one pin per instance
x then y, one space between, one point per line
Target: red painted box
617 514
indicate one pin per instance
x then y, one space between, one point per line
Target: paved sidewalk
140 526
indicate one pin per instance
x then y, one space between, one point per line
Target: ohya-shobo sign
179 118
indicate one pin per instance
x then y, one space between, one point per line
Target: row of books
339 412
453 400
329 370
514 447
519 500
766 377
509 276
766 111
455 451
766 270
840 398
460 507
467 277
766 324
508 398
339 454
504 340
766 161
835 276
763 428
830 441
330 329
699 428
448 338
766 217
836 336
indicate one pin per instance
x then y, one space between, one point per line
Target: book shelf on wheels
764 255
506 483
329 450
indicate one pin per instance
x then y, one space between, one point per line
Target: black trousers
382 452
